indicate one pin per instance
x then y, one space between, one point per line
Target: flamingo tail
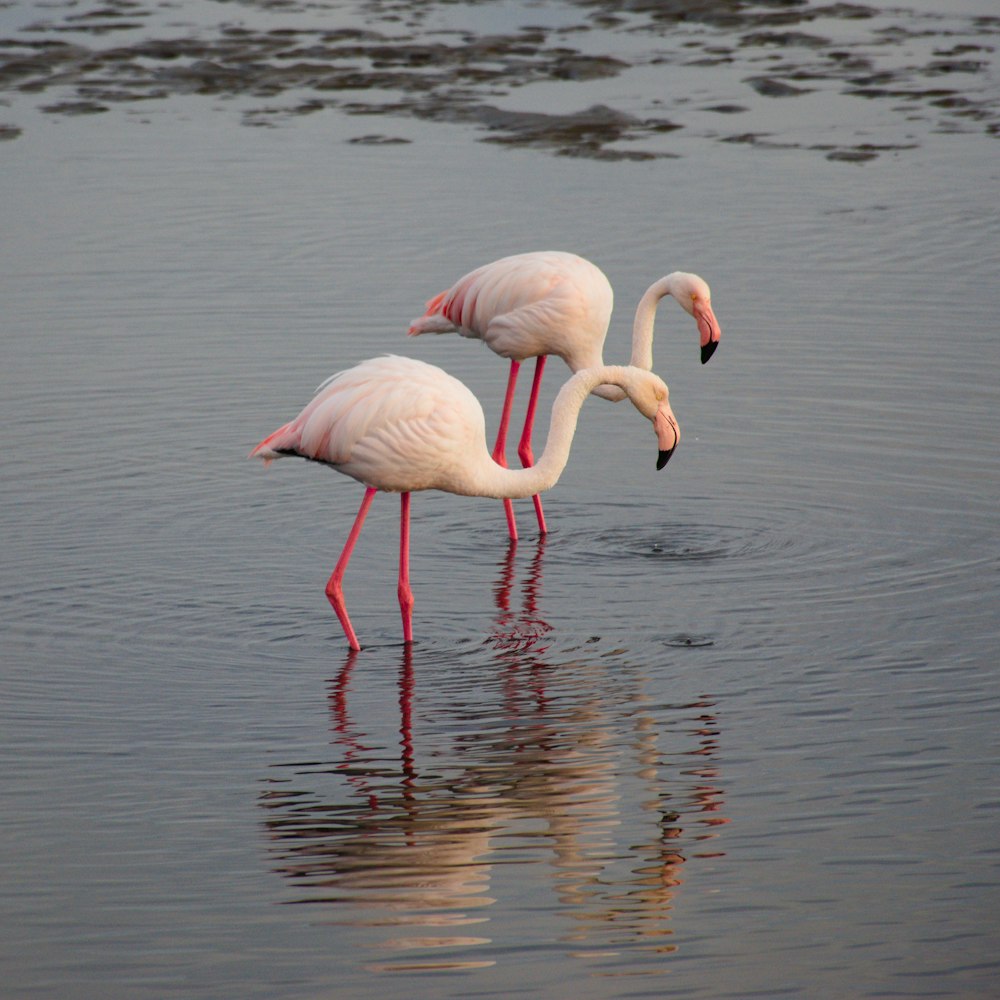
433 319
273 446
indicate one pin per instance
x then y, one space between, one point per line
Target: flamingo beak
668 434
708 329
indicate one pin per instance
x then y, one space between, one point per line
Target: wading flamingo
531 305
399 425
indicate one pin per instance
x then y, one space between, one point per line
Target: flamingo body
527 305
396 424
400 425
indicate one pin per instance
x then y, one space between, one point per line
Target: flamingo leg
524 448
500 448
334 589
403 590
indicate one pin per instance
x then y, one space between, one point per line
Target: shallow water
730 730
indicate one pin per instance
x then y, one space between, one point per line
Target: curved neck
642 327
504 483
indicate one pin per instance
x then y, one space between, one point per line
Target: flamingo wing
394 423
526 305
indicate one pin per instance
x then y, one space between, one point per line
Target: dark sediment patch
584 133
768 87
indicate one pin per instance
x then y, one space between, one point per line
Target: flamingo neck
645 317
503 483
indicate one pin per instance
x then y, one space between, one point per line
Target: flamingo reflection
500 772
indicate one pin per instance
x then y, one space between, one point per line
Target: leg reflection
345 734
520 631
407 765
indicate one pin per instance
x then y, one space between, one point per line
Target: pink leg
405 594
524 448
500 448
334 590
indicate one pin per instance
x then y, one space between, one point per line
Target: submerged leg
334 590
403 590
500 448
524 451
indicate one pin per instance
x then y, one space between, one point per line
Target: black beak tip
663 458
708 350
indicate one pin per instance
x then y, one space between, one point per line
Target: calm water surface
730 730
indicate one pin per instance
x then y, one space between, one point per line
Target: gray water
731 730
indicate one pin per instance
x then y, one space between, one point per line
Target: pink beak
708 329
668 434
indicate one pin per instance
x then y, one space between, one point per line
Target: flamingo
398 425
552 302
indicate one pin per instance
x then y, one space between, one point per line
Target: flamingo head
695 298
651 397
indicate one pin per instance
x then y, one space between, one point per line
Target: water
731 730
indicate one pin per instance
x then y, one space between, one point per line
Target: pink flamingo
551 302
399 425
